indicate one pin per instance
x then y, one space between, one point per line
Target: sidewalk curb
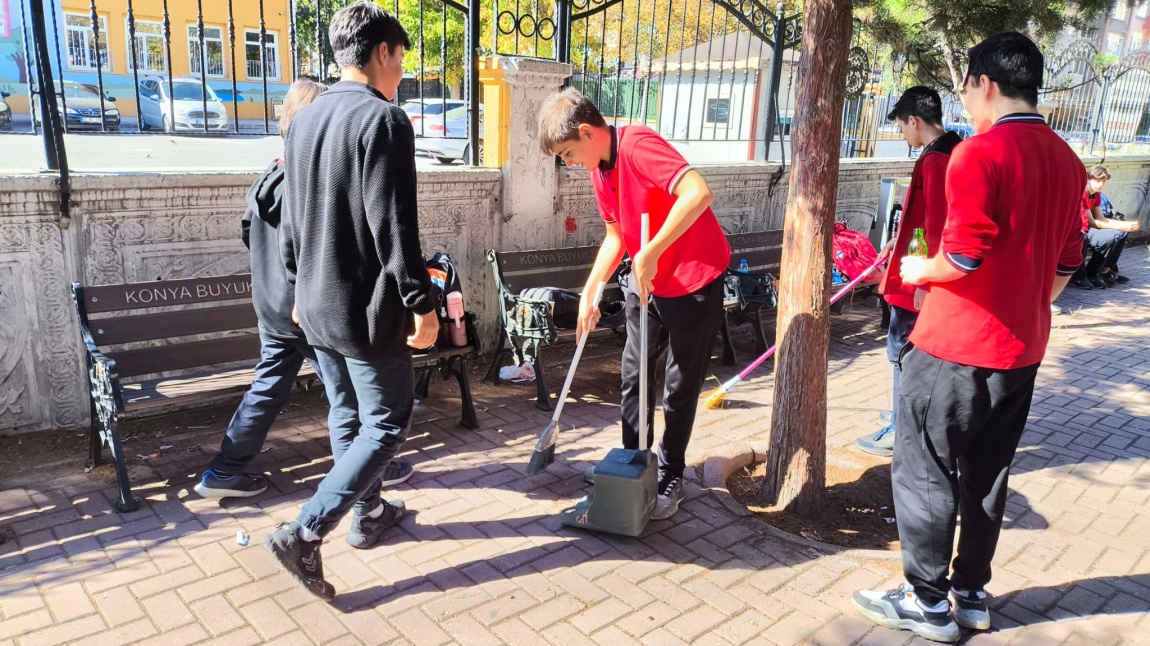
724 461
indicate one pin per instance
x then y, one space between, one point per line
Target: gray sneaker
970 609
397 472
366 531
898 609
670 495
880 443
300 559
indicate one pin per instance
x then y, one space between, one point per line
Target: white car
186 100
418 109
446 140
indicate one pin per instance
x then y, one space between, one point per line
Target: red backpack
852 252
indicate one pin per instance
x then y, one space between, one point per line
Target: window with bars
252 54
212 55
1135 41
1121 10
1114 44
81 42
150 53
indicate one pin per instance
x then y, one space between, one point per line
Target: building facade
80 53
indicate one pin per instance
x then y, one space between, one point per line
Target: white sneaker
970 609
899 609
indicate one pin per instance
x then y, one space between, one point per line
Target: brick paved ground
486 561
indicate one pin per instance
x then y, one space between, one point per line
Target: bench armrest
521 317
103 379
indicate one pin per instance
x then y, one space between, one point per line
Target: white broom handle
645 234
578 353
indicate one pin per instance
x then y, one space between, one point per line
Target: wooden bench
131 378
526 324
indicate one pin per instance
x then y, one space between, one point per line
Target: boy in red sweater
1013 238
681 268
918 114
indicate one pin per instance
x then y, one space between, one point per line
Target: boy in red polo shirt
1012 239
918 114
635 171
1105 238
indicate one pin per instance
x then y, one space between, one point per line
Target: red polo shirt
925 208
1089 202
1013 196
639 178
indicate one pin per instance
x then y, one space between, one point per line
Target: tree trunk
796 464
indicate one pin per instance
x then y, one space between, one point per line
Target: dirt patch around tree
859 510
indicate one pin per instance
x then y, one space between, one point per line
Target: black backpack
564 304
445 277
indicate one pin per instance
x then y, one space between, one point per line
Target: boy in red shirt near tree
1013 238
918 114
635 171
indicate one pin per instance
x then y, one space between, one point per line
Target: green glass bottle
917 248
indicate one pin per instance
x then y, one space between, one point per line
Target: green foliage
919 32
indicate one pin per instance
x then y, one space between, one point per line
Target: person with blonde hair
283 345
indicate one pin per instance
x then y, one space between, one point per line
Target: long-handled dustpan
626 481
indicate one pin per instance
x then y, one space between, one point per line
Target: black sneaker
670 495
1108 280
397 472
1119 278
366 531
300 559
1081 283
898 609
221 485
970 609
1098 283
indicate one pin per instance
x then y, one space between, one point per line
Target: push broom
715 397
544 453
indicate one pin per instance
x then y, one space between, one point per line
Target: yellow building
222 66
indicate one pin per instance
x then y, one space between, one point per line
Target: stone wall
143 227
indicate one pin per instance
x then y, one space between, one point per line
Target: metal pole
54 151
59 66
99 64
778 51
203 63
135 64
264 65
171 84
29 60
235 88
473 27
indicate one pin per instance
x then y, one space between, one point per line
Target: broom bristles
715 398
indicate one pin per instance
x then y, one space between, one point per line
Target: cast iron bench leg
468 419
729 356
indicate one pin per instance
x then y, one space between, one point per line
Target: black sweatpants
1106 245
685 326
958 429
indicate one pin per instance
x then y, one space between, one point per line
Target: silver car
446 140
187 102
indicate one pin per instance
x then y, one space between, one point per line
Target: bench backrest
763 250
564 268
119 315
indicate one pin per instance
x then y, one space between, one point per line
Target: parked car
82 107
187 100
5 113
447 141
417 109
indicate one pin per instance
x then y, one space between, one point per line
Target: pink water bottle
456 327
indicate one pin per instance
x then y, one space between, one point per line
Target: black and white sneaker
899 609
397 472
670 495
1081 283
970 609
300 559
366 531
222 485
